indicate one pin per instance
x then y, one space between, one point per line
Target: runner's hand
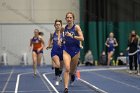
39 50
48 47
108 45
69 34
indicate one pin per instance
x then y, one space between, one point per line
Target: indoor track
93 80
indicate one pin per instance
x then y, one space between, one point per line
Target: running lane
112 82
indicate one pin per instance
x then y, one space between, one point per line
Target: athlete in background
37 45
57 52
111 43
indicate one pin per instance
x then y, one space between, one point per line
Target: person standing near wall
132 48
111 43
103 58
37 45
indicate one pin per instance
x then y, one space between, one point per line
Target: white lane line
101 69
5 86
44 75
84 70
136 87
44 82
38 91
5 73
93 86
17 82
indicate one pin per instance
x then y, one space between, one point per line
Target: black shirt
133 45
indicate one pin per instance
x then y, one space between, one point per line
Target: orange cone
78 74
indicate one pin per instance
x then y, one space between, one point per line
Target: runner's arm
80 36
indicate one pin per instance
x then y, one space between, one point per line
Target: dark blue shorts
72 51
57 53
111 49
40 52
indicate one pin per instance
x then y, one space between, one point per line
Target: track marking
118 81
5 86
44 75
93 86
98 69
5 73
17 82
31 91
101 69
18 79
44 82
54 88
86 70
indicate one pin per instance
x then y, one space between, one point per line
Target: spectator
103 58
132 48
122 59
89 58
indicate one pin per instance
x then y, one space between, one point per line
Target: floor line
18 78
102 69
5 86
44 82
54 88
93 86
118 81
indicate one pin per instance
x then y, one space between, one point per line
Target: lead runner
71 49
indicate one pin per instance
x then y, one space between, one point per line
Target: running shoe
66 90
58 80
35 74
72 80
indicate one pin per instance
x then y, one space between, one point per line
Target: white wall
15 41
40 11
17 22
